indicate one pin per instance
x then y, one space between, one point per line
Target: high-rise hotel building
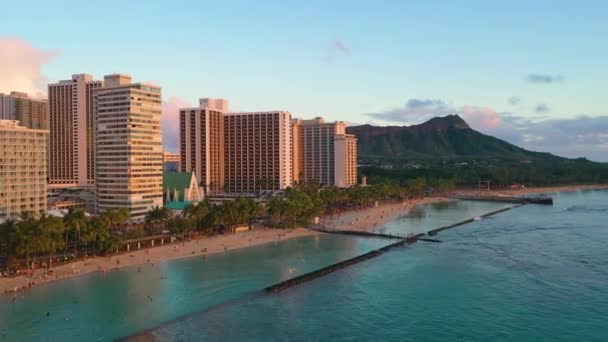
31 113
23 169
345 156
263 151
129 151
202 143
258 151
323 152
236 152
72 131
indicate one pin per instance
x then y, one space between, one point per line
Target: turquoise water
95 306
423 218
536 273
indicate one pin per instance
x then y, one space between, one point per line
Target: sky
534 73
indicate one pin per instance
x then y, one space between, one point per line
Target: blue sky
516 69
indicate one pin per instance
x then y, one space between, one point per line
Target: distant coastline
535 190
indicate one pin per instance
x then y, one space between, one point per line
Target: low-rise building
171 162
180 189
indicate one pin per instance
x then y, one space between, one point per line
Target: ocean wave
586 208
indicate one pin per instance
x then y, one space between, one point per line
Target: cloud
514 100
418 103
336 49
482 117
415 111
578 136
544 78
542 108
21 67
170 122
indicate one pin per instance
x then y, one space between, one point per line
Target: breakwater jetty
355 233
437 230
508 199
403 240
340 265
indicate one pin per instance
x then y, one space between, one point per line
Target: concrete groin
509 199
338 266
372 254
437 230
355 232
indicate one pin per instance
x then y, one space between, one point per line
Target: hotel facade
236 153
23 169
253 152
258 151
202 143
129 151
323 152
72 132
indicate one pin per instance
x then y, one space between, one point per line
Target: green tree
75 221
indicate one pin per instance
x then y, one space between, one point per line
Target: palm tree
116 218
123 215
52 234
156 215
198 212
75 220
10 235
26 236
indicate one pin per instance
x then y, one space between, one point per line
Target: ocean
534 273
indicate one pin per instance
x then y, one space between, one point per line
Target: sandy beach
367 219
198 247
362 219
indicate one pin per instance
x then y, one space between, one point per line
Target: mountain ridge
448 136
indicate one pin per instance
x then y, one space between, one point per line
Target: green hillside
447 148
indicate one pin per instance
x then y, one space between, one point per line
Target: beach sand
213 244
362 219
367 219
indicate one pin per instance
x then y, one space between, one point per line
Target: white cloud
170 122
21 67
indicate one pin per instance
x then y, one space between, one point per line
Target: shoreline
532 190
362 219
201 247
366 219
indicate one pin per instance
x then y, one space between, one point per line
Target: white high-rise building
129 151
